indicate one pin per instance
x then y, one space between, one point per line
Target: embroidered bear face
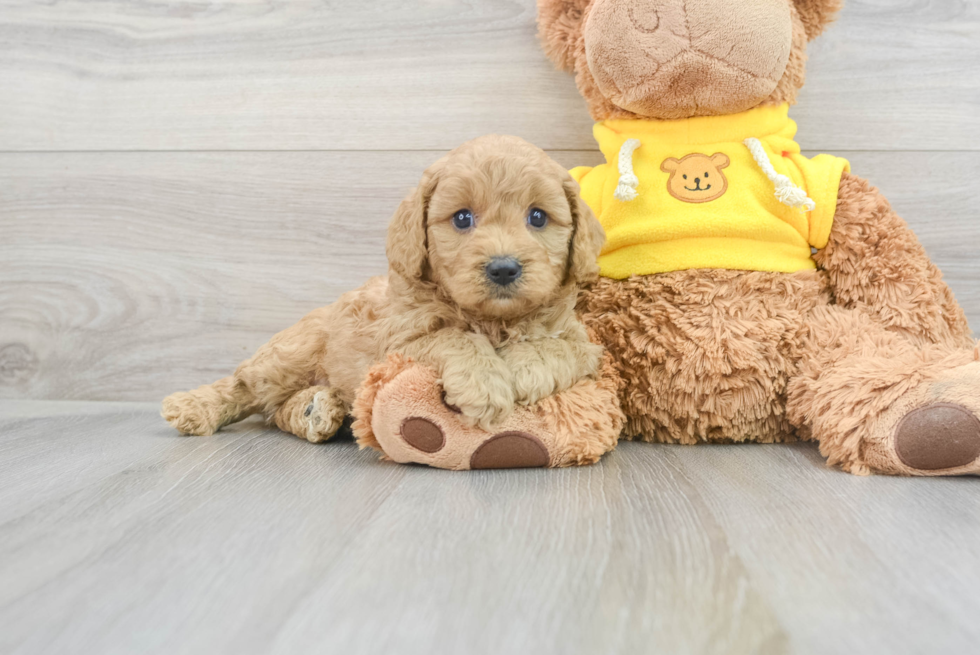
696 177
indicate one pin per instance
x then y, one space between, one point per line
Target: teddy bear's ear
720 160
560 29
670 165
817 14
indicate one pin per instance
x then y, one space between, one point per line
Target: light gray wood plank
118 536
386 74
849 564
116 269
256 542
618 559
126 276
894 76
133 534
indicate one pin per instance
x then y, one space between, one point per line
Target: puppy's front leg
548 365
475 378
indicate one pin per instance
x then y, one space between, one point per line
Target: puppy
485 260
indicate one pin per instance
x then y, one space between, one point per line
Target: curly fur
363 406
704 355
840 354
576 425
493 346
837 355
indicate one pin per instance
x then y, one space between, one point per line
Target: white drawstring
628 182
786 192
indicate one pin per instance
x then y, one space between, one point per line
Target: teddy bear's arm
876 264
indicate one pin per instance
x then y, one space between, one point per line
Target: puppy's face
499 230
502 227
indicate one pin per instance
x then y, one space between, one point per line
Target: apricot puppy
485 260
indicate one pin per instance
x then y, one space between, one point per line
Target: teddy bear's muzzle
675 58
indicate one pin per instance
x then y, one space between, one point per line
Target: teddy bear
748 293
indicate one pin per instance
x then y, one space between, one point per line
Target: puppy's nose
504 270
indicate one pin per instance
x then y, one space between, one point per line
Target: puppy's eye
537 218
706 175
463 220
685 177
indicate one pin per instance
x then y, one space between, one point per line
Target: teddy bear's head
672 59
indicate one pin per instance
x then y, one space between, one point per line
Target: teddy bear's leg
879 402
314 414
876 265
400 410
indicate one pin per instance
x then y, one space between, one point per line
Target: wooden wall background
179 180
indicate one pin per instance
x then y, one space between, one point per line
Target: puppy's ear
587 238
560 29
670 165
817 14
407 245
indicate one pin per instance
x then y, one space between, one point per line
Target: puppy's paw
190 415
485 396
532 382
323 416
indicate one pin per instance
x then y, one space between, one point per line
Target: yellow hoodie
702 193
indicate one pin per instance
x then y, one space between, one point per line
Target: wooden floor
117 536
180 180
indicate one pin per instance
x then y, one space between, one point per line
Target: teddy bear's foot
509 449
934 430
402 412
936 437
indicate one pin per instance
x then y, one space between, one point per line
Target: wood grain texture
117 536
389 74
884 564
131 267
126 276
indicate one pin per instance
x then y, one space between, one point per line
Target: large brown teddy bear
750 293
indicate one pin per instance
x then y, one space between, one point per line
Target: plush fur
492 346
845 354
576 426
562 31
841 354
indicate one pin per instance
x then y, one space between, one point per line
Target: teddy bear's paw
504 450
938 436
933 430
511 450
412 422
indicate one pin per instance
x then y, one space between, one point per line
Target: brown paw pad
510 450
938 436
423 434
